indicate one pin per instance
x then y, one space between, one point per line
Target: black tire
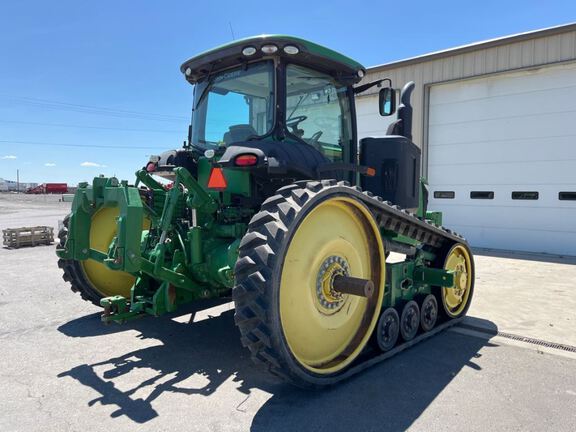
409 320
258 274
73 272
428 313
388 329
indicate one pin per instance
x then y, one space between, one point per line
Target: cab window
318 111
234 106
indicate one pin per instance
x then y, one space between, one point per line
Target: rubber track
257 254
73 273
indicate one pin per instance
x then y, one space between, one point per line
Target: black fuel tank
397 163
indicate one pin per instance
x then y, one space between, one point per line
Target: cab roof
310 54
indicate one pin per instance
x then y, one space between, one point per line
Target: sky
89 88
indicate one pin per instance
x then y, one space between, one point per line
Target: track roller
409 320
428 313
388 329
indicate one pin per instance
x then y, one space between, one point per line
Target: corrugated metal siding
535 52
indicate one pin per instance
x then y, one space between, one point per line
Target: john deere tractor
273 201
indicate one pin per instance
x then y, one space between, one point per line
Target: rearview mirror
387 101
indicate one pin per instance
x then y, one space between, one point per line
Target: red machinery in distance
49 188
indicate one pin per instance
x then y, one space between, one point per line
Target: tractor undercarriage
175 251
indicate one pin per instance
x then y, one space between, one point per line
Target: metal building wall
523 51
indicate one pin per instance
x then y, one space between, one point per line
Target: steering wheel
293 122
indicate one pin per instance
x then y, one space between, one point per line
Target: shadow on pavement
389 396
210 349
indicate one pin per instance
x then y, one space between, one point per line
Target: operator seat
238 133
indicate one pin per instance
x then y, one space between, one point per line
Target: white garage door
502 159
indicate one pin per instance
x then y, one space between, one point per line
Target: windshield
233 106
318 111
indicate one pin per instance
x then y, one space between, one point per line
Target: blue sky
91 75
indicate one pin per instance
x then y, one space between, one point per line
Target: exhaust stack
403 125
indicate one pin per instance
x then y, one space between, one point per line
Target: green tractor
272 200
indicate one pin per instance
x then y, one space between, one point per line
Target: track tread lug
261 218
314 186
73 273
252 240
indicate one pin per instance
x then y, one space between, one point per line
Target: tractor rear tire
74 273
289 316
92 279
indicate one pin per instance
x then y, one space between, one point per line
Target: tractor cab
282 109
286 102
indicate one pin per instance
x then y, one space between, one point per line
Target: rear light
217 180
246 160
151 167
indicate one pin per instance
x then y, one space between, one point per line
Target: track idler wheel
388 329
309 282
428 313
457 298
409 320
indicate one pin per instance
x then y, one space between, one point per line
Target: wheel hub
411 320
328 300
389 329
463 279
429 313
460 280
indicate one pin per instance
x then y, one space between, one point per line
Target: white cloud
50 164
92 164
9 157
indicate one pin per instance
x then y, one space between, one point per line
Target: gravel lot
62 370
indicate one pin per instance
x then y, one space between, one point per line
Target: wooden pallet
28 236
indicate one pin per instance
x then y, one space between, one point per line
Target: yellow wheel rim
325 330
102 231
455 298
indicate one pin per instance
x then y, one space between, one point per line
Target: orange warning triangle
217 180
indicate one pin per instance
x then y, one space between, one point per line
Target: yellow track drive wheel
457 298
290 316
93 280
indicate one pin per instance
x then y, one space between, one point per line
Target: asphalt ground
62 370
